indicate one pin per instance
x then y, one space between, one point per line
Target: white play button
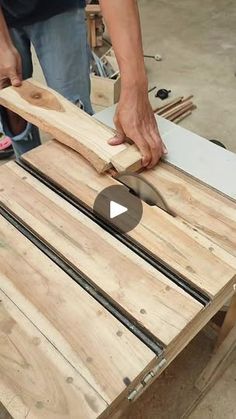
120 208
116 209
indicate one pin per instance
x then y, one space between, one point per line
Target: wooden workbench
88 319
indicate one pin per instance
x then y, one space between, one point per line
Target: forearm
5 39
122 19
10 70
134 118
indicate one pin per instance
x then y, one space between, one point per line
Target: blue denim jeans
61 46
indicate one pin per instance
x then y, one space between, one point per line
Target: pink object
5 142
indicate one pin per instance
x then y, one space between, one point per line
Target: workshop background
197 43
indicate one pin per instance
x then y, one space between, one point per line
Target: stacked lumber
177 109
95 25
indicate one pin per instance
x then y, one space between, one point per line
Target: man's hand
10 67
134 119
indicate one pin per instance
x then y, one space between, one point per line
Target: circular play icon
119 207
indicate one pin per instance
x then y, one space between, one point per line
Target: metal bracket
146 380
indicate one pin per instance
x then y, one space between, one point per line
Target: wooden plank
36 380
70 125
181 112
93 38
139 290
184 106
202 207
127 160
168 105
181 246
57 116
181 117
86 334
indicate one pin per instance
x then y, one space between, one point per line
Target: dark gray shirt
25 12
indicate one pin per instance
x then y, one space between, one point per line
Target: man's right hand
10 67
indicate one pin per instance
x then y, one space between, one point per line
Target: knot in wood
36 95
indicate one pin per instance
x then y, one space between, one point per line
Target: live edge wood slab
64 353
70 125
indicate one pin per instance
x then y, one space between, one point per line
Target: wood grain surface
186 248
138 289
100 350
53 114
202 207
128 160
36 380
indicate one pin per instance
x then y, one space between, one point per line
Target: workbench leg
223 356
226 343
221 359
218 363
229 322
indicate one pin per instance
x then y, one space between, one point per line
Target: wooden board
127 160
37 381
202 207
74 327
70 125
181 246
140 291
